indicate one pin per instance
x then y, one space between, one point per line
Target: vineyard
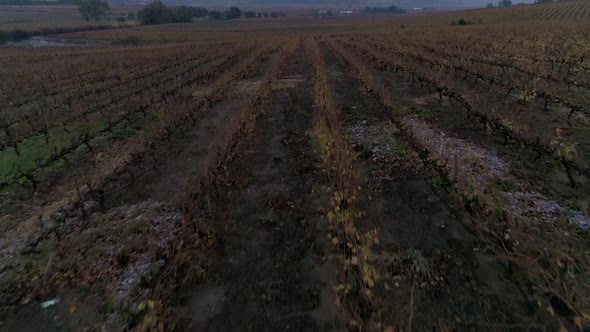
573 10
367 177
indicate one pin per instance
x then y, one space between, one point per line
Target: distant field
41 17
574 10
559 11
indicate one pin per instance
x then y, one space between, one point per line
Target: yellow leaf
370 282
141 306
330 216
578 322
560 263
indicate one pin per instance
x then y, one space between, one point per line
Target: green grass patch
154 117
583 204
397 146
352 114
123 129
508 185
438 181
37 150
426 114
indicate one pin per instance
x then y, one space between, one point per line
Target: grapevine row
165 99
37 123
560 152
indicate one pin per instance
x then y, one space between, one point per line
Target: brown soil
270 271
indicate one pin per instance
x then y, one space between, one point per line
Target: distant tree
504 3
183 14
155 13
233 12
394 10
490 5
93 9
384 10
463 21
250 14
200 12
131 16
216 15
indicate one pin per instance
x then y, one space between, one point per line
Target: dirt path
436 275
268 273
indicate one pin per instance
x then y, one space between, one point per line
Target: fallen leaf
578 322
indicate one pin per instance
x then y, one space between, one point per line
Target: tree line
384 10
158 13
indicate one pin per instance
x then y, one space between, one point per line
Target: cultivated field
337 174
561 11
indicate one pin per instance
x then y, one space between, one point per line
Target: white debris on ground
470 158
359 133
149 224
373 138
579 219
477 169
50 303
155 228
537 207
